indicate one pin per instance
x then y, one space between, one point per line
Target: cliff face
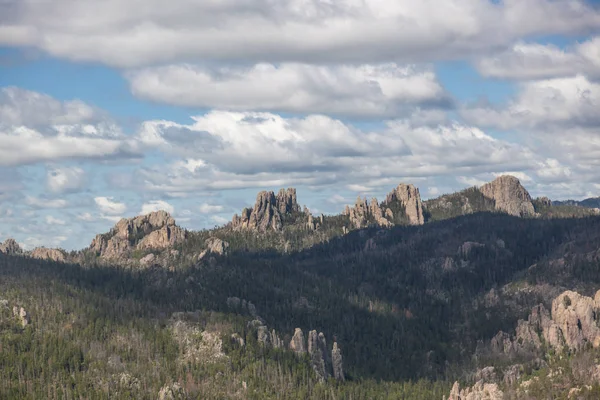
509 196
269 211
156 230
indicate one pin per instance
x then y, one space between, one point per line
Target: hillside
283 304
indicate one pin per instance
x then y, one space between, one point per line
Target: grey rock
297 344
509 196
10 247
337 363
316 353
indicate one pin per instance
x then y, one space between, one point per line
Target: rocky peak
156 230
10 247
409 197
509 196
268 212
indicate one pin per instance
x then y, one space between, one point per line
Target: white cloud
523 177
43 203
231 150
108 206
568 101
50 220
35 128
365 90
209 208
156 205
135 33
65 179
470 181
538 61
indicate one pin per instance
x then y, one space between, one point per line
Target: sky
117 108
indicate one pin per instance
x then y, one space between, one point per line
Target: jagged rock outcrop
573 323
337 364
401 205
44 253
578 318
156 230
317 350
216 245
276 341
408 196
10 247
268 212
297 344
509 196
479 391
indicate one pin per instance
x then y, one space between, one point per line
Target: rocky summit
156 230
402 206
10 247
509 196
269 211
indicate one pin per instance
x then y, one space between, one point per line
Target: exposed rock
578 317
487 375
544 201
479 391
44 253
21 315
502 343
147 260
156 230
268 212
512 374
237 339
336 360
410 199
317 350
509 196
10 247
217 246
263 335
196 346
359 214
172 392
276 341
297 344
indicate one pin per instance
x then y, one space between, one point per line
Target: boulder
216 245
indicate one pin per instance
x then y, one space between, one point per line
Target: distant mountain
592 202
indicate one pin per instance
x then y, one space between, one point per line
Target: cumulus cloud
65 179
135 33
572 101
229 150
107 205
365 90
36 128
538 61
156 205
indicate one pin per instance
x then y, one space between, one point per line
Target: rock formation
402 205
317 350
10 247
336 361
479 391
216 245
44 253
509 196
408 196
297 344
156 230
574 322
269 211
578 318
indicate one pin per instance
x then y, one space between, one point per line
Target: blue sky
111 110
